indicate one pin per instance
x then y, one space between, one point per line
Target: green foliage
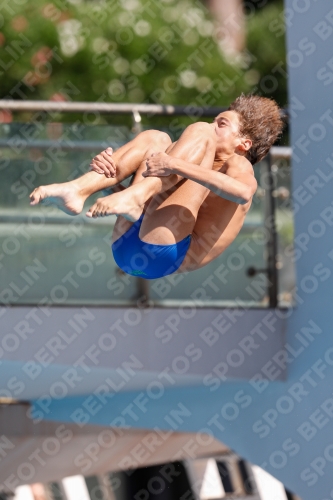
131 51
266 41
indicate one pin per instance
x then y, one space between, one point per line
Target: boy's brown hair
260 121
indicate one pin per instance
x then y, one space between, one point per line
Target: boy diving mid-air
188 199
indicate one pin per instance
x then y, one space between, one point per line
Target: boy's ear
245 145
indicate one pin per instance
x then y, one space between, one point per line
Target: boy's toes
90 212
33 199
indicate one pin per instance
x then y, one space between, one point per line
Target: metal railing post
136 120
142 285
270 222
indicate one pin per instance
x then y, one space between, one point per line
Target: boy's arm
153 184
238 185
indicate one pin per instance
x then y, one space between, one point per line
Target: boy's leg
171 220
124 224
192 147
70 196
168 219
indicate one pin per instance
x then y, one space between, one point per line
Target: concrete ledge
76 349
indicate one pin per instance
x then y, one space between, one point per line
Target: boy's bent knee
155 138
199 128
162 140
199 133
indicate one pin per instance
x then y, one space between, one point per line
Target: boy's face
226 127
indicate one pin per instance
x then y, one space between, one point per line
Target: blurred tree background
154 51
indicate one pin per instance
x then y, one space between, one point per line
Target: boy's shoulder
239 162
241 168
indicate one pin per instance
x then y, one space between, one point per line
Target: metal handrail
65 146
115 108
283 152
108 108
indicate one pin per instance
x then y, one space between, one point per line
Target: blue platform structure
197 370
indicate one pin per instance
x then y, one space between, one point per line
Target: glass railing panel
42 246
48 259
226 279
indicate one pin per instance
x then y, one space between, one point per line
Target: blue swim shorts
148 261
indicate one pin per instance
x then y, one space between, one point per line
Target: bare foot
122 203
66 197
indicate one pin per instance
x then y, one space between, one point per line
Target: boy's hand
158 165
104 163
